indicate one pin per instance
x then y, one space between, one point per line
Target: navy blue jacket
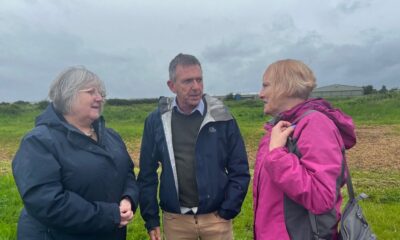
222 170
71 185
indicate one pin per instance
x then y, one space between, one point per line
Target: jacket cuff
152 223
227 214
116 215
133 205
133 197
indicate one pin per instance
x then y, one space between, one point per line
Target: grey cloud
356 64
366 63
237 65
130 43
351 6
251 45
371 35
241 47
47 53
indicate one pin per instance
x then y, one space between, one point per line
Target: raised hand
279 134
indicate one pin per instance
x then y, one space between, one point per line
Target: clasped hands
126 213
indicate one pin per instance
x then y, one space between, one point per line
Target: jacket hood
342 121
50 117
215 107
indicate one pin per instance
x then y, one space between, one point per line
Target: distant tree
11 109
42 104
394 90
120 102
129 102
369 89
383 89
229 96
20 102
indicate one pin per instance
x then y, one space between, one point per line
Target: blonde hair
290 78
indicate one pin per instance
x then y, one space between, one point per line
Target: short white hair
65 87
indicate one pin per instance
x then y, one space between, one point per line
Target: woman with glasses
74 175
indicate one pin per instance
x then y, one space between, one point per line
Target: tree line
369 89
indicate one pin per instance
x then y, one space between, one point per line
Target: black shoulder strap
292 145
303 115
349 183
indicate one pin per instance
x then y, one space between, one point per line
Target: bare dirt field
377 148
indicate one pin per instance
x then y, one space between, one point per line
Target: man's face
188 86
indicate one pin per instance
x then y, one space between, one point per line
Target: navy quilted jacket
70 185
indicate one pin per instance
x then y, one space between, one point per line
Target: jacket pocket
169 216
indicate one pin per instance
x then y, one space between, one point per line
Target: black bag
353 224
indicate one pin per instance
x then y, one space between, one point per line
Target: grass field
374 162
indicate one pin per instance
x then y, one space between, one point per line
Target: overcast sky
129 43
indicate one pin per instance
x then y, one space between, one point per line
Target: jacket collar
215 107
199 107
343 122
54 119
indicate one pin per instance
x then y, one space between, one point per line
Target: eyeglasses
94 92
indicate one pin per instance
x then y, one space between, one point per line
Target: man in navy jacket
205 172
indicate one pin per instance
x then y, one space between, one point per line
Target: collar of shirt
199 107
185 210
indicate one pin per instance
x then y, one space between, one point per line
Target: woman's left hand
125 209
279 134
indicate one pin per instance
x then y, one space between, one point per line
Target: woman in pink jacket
295 190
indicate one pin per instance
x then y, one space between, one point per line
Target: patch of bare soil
377 148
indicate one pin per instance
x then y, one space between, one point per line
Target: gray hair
65 87
183 60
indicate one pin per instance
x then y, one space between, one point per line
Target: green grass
383 218
381 212
381 208
373 109
10 205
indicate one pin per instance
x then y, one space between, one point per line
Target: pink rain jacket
310 181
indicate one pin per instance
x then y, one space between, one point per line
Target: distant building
240 96
337 90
